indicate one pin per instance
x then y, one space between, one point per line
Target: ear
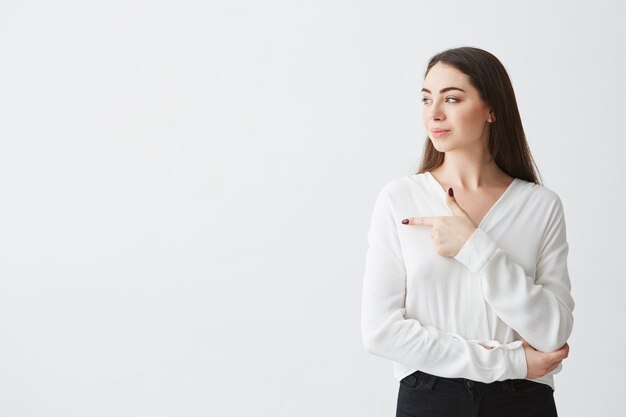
491 118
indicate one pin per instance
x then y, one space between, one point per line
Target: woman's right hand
541 363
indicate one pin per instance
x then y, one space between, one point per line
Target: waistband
426 380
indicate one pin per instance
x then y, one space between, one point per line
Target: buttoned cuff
476 251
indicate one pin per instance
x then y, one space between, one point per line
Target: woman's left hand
449 233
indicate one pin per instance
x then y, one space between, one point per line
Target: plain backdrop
186 188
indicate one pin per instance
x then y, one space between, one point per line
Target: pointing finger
419 221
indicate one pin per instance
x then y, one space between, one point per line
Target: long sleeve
540 308
388 334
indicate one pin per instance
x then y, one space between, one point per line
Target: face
451 103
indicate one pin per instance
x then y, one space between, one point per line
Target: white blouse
436 314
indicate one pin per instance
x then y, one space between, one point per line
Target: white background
186 187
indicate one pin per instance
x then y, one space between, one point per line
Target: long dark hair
507 141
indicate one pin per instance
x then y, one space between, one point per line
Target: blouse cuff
476 251
517 360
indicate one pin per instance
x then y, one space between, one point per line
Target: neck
469 172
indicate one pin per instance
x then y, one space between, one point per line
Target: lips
439 132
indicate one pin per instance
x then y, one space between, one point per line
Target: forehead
442 75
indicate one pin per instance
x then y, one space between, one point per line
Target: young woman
466 286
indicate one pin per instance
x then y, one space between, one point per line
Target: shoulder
398 193
544 193
399 187
541 199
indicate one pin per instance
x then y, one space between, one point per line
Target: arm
539 309
388 334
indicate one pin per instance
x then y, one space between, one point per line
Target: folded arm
539 308
388 334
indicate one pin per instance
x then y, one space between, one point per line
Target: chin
442 146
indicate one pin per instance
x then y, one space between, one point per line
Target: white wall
186 186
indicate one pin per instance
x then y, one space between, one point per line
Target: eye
424 100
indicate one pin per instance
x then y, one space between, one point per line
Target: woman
466 287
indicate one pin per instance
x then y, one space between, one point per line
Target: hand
542 363
449 233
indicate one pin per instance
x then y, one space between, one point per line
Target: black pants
426 395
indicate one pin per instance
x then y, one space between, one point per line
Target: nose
436 111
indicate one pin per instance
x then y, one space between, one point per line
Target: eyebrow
443 90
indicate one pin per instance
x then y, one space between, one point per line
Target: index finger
420 221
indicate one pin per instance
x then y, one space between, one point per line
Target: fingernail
450 192
405 221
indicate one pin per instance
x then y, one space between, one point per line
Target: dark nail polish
405 221
450 192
